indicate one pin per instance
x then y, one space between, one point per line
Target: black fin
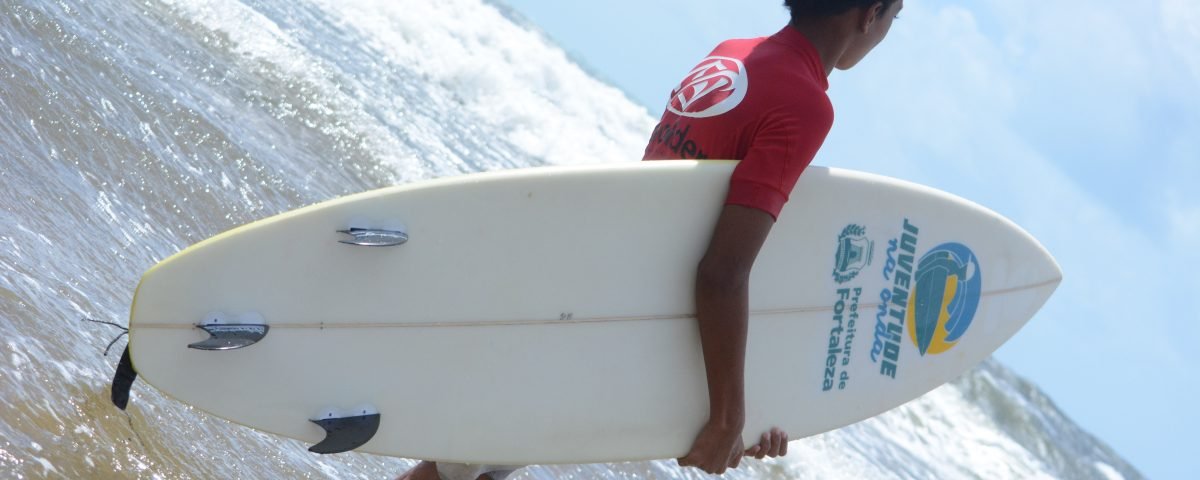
346 433
123 380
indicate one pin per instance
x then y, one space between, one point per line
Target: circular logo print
944 297
714 87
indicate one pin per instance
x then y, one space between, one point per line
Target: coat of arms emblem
853 253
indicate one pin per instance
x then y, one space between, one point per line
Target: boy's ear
868 16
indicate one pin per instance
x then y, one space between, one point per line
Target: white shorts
460 471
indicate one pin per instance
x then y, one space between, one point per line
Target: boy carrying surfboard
761 101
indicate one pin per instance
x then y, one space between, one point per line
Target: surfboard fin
343 434
368 237
230 336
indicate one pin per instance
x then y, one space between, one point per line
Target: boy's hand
773 444
716 448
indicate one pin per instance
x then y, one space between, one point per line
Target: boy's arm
722 310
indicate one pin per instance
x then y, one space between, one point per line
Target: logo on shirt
714 87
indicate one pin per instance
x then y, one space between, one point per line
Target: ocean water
132 129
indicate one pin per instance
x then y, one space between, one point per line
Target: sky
1077 119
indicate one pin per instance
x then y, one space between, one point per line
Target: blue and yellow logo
944 297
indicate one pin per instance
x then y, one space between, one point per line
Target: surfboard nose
1039 266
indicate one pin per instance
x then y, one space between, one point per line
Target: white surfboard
545 315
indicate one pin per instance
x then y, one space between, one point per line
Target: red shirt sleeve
784 145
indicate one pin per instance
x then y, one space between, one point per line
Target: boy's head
825 8
861 23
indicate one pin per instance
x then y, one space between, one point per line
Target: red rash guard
761 101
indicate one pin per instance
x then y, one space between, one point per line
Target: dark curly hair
824 8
